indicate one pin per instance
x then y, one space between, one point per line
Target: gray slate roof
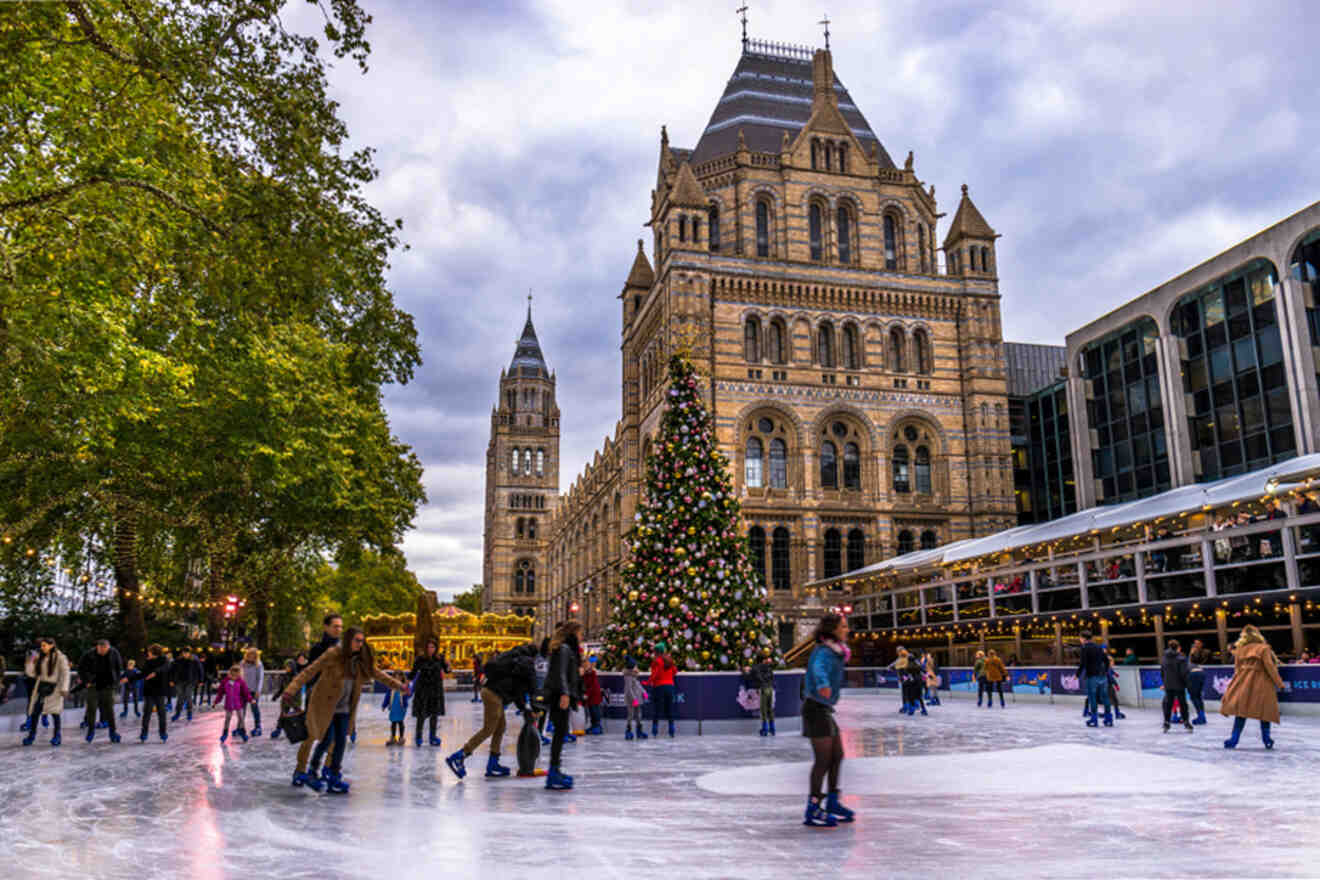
527 358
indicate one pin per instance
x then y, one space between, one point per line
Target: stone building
857 382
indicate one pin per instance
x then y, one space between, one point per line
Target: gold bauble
705 655
673 601
632 595
692 530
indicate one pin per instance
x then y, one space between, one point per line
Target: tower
522 480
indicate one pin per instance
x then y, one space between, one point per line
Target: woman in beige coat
1253 692
50 668
332 705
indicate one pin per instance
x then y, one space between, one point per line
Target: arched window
891 242
815 153
814 224
852 467
999 415
520 579
829 466
520 528
778 464
752 466
779 560
540 462
902 481
856 549
682 228
833 553
985 415
713 221
530 578
825 344
921 348
756 552
829 156
513 462
921 245
774 341
762 229
849 347
531 528
929 540
971 259
696 230
897 351
985 259
923 471
752 340
904 542
527 461
843 232
843 158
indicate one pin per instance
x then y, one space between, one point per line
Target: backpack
504 665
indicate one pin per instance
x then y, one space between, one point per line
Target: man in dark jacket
185 674
1094 671
510 677
101 671
1175 670
155 688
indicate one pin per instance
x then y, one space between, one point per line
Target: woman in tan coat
1253 692
332 705
995 674
50 669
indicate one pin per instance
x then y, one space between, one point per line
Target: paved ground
1026 791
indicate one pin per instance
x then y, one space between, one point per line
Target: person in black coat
428 683
1175 670
1093 669
185 675
563 690
101 672
155 688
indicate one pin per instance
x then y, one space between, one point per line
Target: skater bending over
1254 690
821 686
509 678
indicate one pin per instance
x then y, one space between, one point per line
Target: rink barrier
715 702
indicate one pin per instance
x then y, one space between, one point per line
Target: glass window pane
778 464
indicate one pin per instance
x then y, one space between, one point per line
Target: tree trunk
215 612
129 587
261 637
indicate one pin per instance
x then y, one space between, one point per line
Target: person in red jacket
661 683
595 698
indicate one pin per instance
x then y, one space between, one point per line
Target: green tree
688 583
470 599
370 583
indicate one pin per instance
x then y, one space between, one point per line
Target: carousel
396 638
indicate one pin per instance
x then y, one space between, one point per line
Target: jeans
256 714
594 712
131 693
102 700
662 704
767 704
1195 688
1171 694
339 733
148 704
559 718
1097 690
981 689
183 699
990 688
34 721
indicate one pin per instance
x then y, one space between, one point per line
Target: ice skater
762 678
909 683
510 677
254 676
1093 668
49 671
476 678
1174 669
234 695
932 673
132 689
101 672
978 672
995 673
821 686
1197 657
661 683
594 696
396 703
1254 690
185 674
563 690
428 689
340 673
155 688
332 628
634 695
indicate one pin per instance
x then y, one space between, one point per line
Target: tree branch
126 182
94 36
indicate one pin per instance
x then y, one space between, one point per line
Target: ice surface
1026 791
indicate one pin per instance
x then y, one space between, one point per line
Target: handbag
45 689
294 725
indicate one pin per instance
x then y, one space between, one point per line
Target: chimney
822 76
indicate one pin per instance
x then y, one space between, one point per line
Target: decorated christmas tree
688 583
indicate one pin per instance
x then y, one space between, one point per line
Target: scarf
838 648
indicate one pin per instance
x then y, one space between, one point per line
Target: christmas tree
688 583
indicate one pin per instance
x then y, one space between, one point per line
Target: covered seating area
1198 561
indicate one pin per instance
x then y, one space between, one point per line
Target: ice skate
816 817
836 809
495 768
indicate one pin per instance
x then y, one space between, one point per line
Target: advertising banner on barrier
1067 681
713 696
958 680
1301 684
1152 685
1029 680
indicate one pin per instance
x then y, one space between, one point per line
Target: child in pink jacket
236 696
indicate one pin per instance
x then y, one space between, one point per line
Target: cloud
1112 143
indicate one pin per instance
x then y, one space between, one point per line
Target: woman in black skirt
428 682
823 681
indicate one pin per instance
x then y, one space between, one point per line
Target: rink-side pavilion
1198 561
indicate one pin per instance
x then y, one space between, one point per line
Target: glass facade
1238 413
1043 479
1305 268
1130 456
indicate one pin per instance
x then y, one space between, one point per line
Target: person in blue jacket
397 704
821 686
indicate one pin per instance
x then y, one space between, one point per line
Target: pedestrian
48 669
476 678
821 686
563 690
185 675
634 695
254 676
995 674
155 688
761 677
663 691
101 672
1175 670
594 696
428 688
339 672
978 672
1198 657
233 694
396 703
132 688
1093 668
1253 692
509 678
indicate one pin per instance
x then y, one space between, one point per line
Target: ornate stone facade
858 387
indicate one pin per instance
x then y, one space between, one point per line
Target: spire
641 275
527 358
968 222
687 193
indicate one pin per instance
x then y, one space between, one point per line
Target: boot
772 727
1166 727
143 737
275 734
1265 735
628 734
494 767
30 738
815 815
25 725
91 734
641 734
299 779
256 732
241 734
655 728
671 730
1092 721
419 740
1109 719
115 737
455 762
224 736
1200 717
765 729
1119 715
55 740
1188 726
595 730
923 709
556 781
312 779
435 740
334 783
164 737
836 809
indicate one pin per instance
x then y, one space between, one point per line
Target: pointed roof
641 274
528 361
769 95
968 222
687 193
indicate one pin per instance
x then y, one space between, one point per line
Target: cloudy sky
1113 144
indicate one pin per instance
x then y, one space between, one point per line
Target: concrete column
1017 641
1179 441
1080 429
1298 362
1104 631
1058 644
1221 627
1295 620
1159 635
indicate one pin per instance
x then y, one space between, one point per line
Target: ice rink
1026 791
